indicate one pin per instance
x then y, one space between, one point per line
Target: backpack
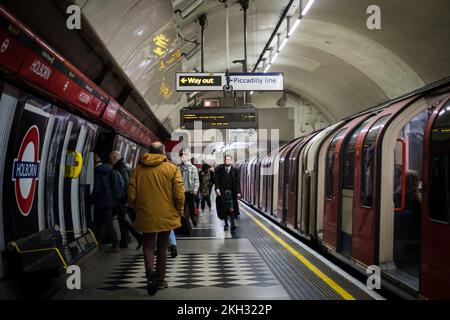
118 187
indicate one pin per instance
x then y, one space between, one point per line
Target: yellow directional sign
269 81
199 81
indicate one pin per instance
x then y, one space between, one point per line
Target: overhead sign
257 81
272 81
200 81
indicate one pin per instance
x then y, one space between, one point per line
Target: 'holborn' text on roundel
26 170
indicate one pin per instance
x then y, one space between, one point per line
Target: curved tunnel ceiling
332 59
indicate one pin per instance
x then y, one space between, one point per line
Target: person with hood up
120 208
156 192
103 201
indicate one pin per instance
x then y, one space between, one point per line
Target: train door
262 189
293 176
435 260
304 182
248 169
282 184
257 181
304 194
330 212
347 193
267 172
253 182
309 195
333 182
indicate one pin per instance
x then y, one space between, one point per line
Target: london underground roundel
26 170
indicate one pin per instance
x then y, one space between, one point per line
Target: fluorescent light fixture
283 44
274 57
296 23
267 68
307 7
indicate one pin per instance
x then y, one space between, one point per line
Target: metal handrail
61 257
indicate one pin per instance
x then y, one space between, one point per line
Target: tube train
52 119
372 189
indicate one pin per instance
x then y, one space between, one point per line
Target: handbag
186 228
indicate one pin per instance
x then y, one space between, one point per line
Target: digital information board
219 118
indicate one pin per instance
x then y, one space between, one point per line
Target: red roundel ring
26 170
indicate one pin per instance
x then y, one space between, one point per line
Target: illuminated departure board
220 118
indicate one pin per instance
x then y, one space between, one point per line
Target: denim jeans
172 239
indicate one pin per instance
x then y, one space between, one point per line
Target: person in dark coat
120 207
206 177
227 178
103 201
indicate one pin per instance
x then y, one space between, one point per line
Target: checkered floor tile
187 271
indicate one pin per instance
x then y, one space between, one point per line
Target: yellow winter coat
156 192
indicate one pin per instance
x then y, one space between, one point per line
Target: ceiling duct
190 8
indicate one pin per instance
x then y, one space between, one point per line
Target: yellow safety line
341 291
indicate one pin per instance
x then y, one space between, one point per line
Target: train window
439 168
349 158
330 164
367 164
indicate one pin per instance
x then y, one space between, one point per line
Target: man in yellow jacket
156 192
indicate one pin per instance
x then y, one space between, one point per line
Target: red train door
333 182
347 193
292 180
283 179
435 260
291 214
364 225
252 181
258 182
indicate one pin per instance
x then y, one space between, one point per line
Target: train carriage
372 190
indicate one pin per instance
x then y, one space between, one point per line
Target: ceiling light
274 57
296 23
307 7
283 44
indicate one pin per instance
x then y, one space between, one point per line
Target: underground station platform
257 261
